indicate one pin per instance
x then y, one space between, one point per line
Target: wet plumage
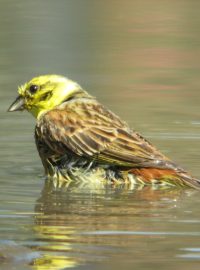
77 137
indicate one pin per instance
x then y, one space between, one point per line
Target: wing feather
90 130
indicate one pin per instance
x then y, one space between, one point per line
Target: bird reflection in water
65 217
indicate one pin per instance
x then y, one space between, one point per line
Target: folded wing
89 130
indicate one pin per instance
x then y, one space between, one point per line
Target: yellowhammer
76 135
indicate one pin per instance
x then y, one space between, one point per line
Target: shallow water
141 59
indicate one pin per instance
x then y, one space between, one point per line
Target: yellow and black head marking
44 93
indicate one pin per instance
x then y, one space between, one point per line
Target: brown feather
73 122
84 128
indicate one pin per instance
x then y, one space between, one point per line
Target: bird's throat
38 112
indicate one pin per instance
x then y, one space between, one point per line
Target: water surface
141 59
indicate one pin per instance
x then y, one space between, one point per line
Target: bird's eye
33 88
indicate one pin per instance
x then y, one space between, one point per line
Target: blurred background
142 60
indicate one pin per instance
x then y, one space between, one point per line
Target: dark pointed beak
17 105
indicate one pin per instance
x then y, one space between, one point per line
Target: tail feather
190 181
168 176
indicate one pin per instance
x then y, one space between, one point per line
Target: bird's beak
17 105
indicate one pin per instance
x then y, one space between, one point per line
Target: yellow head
44 93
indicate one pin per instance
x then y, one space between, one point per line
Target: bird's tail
165 176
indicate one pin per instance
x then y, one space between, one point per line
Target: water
141 59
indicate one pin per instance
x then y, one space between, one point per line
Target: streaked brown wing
89 130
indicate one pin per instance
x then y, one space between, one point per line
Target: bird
77 137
